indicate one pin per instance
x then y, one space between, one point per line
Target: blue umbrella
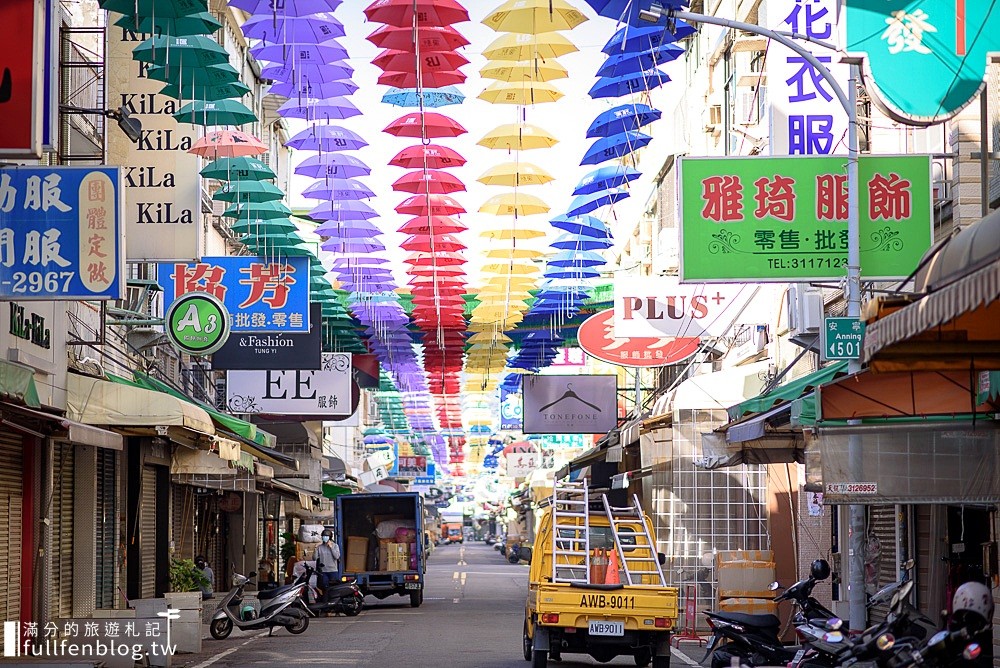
622 119
338 189
603 178
293 72
576 259
629 84
332 165
577 273
631 63
326 138
627 11
313 29
334 108
409 97
309 88
590 226
591 202
614 146
645 39
319 53
579 242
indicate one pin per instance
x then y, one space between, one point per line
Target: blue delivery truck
381 538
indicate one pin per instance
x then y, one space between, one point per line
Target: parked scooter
278 607
339 597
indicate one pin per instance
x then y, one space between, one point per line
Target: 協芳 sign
758 219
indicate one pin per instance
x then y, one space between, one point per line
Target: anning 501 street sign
759 219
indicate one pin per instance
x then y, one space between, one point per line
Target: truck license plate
412 585
607 628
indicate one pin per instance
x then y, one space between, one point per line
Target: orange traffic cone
612 577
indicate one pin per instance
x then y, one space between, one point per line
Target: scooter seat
757 621
267 594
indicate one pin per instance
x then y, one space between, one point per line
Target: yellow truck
596 585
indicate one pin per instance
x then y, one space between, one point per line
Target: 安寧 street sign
842 338
197 323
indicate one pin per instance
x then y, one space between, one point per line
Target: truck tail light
550 618
411 578
662 623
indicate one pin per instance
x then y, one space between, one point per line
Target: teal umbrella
237 169
262 211
220 112
205 91
277 226
271 246
249 191
186 52
201 23
214 75
157 8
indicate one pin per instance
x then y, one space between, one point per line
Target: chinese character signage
327 392
162 208
22 76
806 116
661 307
943 44
570 404
251 350
60 236
785 219
510 410
598 338
261 295
410 466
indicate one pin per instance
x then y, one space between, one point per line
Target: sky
567 120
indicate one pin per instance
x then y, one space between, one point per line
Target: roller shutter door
11 472
106 526
147 531
61 591
880 568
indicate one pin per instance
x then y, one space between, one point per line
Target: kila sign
197 324
570 404
597 337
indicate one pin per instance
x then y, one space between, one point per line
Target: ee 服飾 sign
60 235
842 338
327 392
261 295
758 219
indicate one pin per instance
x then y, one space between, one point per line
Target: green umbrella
201 23
214 75
269 227
157 8
249 191
220 112
262 211
206 91
290 244
187 52
237 169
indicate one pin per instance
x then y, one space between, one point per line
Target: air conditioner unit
805 314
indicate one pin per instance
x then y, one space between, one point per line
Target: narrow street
471 617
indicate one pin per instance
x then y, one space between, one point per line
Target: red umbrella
430 39
434 225
431 182
426 205
423 283
440 259
428 12
427 79
441 243
439 299
429 271
427 125
430 156
394 60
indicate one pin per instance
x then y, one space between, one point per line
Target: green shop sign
925 59
759 219
197 323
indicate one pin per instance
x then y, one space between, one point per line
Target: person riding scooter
327 557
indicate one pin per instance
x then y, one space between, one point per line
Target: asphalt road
472 616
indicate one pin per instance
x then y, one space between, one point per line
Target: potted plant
186 582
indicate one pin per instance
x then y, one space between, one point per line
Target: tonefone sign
662 307
294 392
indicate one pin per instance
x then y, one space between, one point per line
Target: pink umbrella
425 125
430 39
431 182
428 205
427 79
394 60
428 12
228 144
430 156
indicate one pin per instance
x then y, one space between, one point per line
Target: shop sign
60 237
410 466
197 324
250 350
29 326
596 337
944 42
852 488
842 338
162 185
510 410
758 219
262 295
806 115
661 306
327 392
584 404
521 464
22 73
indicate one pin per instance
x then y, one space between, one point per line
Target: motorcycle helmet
326 535
820 569
248 613
972 605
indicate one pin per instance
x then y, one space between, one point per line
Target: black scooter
340 597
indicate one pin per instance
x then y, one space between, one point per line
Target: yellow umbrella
488 337
524 70
520 92
517 268
534 16
518 234
514 174
518 137
514 47
514 204
511 253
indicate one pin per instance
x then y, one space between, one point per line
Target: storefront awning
767 438
199 462
60 428
305 497
788 392
17 383
271 455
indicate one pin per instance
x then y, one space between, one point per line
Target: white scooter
278 607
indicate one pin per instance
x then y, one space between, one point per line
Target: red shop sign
597 339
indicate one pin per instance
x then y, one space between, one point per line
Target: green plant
185 576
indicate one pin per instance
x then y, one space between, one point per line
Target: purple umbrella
342 263
353 246
357 231
296 8
338 189
336 165
343 211
318 53
314 29
296 72
333 109
327 138
308 88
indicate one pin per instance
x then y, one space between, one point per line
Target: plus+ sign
718 298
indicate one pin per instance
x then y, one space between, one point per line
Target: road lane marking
221 655
463 578
461 556
683 657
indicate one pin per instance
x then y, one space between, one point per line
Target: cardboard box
746 579
357 554
750 606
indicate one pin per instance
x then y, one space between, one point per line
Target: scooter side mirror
774 586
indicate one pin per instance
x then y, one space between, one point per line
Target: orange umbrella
228 144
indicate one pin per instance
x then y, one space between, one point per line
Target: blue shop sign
60 233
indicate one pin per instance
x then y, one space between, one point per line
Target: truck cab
596 585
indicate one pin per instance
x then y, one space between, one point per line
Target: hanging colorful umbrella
431 156
313 89
633 63
513 254
576 259
174 8
347 229
353 246
534 16
411 97
515 174
428 12
615 146
515 234
630 11
206 92
237 169
514 204
521 93
338 189
328 52
430 39
439 259
516 47
604 178
343 211
585 225
201 23
514 137
264 227
431 181
524 70
187 52
426 205
185 77
628 85
332 165
326 138
315 72
249 191
642 39
227 144
333 109
220 112
258 211
312 29
295 8
444 243
438 79
578 242
426 125
623 119
394 60
432 225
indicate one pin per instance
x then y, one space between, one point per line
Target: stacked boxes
744 577
399 557
357 554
